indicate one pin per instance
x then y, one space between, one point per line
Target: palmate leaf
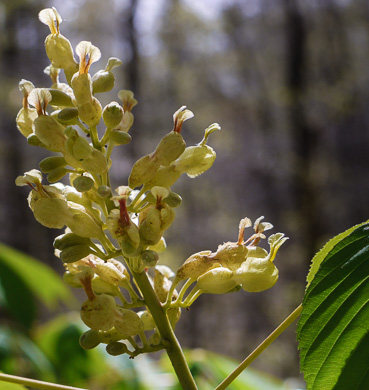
333 330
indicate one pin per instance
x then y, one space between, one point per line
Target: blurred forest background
288 82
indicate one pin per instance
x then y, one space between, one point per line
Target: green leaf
41 280
11 386
16 296
333 330
320 256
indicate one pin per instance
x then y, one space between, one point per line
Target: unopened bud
51 212
56 174
81 84
48 164
90 112
120 137
60 98
103 80
33 140
128 323
173 199
196 265
100 313
68 116
50 133
104 191
70 239
96 163
147 319
142 171
218 280
75 253
169 148
149 258
83 183
89 339
116 348
112 114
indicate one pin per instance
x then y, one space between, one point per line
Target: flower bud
50 212
60 98
173 199
101 286
110 273
218 280
82 223
150 226
196 265
48 164
149 258
33 140
68 116
82 88
96 163
128 323
257 274
116 348
120 137
50 133
231 255
162 285
72 280
195 160
100 313
81 149
60 53
164 177
112 115
147 319
70 239
142 171
56 174
89 339
75 253
103 80
104 191
83 183
169 148
90 112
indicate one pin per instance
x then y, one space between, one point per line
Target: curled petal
88 54
180 116
34 176
39 98
52 18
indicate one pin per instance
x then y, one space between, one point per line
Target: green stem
35 383
275 334
105 137
174 349
191 297
95 137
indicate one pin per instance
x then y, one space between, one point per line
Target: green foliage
333 330
11 386
27 273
